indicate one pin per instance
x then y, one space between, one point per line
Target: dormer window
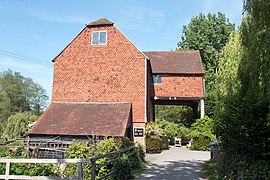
157 79
99 38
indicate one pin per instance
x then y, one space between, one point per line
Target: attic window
99 38
157 79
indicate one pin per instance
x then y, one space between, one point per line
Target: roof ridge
53 102
177 51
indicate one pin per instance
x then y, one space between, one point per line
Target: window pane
103 37
95 37
157 79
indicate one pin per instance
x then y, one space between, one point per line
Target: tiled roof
104 119
100 22
175 62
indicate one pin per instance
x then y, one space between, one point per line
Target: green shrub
202 128
137 159
153 145
153 129
211 170
78 149
123 167
34 169
25 169
164 143
235 166
200 144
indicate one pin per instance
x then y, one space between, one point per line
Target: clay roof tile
175 62
104 119
100 22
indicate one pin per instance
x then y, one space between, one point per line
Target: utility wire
24 58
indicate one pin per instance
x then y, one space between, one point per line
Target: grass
210 169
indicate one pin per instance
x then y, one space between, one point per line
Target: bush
137 159
25 169
153 145
123 167
235 167
211 170
153 129
78 149
172 129
164 143
202 128
200 144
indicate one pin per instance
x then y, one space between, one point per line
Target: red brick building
103 85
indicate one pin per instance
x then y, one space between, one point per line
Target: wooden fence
94 167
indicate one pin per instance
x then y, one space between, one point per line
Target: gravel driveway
176 163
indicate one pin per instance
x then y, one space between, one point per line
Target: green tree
229 124
17 124
254 75
12 86
208 34
228 82
19 94
203 127
243 118
176 114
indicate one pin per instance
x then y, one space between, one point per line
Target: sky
33 32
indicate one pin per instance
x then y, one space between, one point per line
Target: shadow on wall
170 170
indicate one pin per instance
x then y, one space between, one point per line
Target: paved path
176 163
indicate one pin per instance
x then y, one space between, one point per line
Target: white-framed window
99 38
157 79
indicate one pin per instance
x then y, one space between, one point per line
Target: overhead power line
24 58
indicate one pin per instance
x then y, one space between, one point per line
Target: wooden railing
92 160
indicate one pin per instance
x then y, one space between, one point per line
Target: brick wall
111 73
179 86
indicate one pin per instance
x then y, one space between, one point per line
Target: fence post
93 169
80 171
7 170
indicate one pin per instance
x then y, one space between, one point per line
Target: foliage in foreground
25 169
211 170
243 113
80 149
235 166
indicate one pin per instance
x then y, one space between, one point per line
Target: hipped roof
104 119
100 22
